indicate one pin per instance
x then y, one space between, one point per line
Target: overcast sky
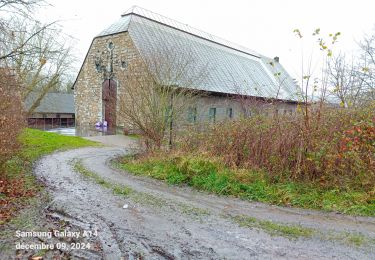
266 26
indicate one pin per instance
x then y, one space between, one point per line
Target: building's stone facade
88 86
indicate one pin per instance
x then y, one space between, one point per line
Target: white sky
265 26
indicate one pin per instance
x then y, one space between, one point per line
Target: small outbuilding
55 110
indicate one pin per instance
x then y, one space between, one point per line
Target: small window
230 112
212 114
192 114
124 64
110 46
98 65
291 112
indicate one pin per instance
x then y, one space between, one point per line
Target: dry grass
334 148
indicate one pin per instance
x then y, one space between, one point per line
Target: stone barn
235 75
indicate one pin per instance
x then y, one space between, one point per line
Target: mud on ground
157 221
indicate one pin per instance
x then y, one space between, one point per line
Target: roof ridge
136 10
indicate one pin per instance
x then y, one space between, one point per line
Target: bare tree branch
161 93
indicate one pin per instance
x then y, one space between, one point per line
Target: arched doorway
109 96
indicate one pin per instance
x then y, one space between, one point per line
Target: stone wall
88 87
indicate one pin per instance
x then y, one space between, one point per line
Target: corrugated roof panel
230 71
285 83
121 25
184 27
51 103
225 69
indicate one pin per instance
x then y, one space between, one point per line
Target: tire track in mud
176 225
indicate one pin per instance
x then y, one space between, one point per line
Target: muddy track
164 222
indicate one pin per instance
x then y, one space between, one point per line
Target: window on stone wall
230 112
290 112
212 114
124 65
192 114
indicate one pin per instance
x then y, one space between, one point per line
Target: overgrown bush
333 147
12 118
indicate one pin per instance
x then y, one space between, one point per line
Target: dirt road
163 222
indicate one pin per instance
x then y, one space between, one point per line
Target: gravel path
165 222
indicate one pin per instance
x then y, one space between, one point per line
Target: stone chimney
277 59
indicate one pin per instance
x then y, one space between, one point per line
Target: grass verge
17 183
210 175
297 231
139 197
272 228
116 188
37 143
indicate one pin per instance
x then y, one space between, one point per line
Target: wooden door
109 96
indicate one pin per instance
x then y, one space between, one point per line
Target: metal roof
52 103
231 68
121 25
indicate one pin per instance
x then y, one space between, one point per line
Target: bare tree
44 65
11 11
352 80
21 7
158 94
39 54
366 69
342 78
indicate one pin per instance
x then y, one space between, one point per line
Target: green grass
298 231
139 197
116 188
211 176
35 144
193 211
121 190
134 136
272 228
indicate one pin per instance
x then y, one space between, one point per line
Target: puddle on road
83 131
